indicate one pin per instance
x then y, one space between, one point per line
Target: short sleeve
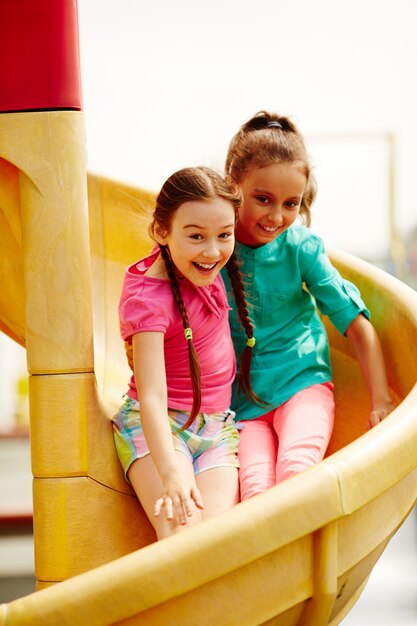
335 297
141 309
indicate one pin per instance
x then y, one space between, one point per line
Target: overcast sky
166 84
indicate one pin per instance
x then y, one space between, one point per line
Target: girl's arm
371 360
150 378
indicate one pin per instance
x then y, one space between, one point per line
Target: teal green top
285 281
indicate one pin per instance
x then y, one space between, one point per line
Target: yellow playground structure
300 553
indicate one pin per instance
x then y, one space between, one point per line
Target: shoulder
303 237
306 245
141 292
157 269
143 287
148 265
306 242
145 304
310 253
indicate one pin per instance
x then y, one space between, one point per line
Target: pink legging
285 441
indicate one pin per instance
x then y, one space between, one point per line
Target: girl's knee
254 480
165 528
289 466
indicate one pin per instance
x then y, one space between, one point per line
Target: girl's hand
178 499
378 414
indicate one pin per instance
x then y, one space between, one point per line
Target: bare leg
147 484
219 488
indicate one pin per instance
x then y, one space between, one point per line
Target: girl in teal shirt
287 275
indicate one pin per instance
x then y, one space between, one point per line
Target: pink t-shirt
147 304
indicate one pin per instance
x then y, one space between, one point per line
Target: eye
262 199
196 236
225 235
292 204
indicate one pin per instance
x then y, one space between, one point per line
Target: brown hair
201 183
270 138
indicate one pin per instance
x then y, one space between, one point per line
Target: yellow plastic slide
300 553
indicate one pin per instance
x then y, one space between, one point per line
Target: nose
276 215
211 249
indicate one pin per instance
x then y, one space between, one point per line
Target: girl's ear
160 234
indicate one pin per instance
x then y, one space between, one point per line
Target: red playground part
39 55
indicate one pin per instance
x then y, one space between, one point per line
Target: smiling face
200 239
271 202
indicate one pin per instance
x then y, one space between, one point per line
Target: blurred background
166 85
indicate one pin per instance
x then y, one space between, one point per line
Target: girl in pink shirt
175 434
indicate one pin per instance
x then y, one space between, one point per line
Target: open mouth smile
269 229
205 267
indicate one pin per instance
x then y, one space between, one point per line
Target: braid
192 354
236 282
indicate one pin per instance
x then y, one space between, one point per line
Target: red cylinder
39 55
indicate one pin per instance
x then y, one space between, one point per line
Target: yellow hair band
251 342
188 334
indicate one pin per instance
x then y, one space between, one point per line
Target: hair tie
188 334
251 342
274 124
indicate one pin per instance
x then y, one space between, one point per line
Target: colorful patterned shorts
211 440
